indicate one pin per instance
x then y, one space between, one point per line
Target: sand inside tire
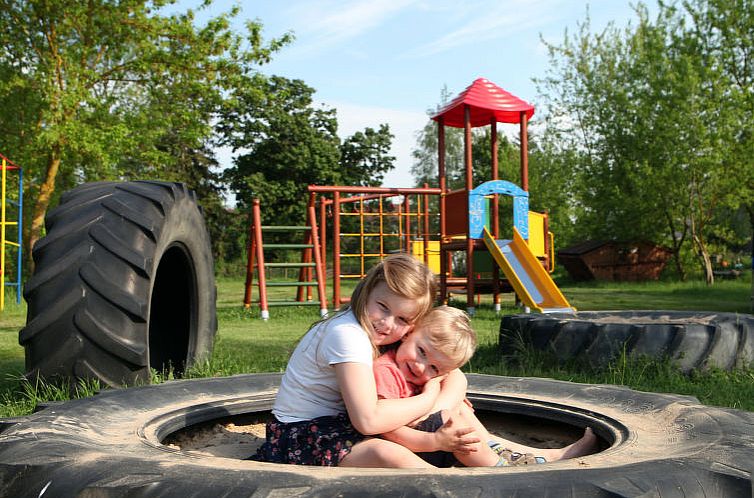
239 437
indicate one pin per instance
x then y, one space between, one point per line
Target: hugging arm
372 416
447 438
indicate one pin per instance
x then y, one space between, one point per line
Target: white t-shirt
309 388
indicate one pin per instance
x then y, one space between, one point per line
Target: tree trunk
677 244
750 209
43 201
696 237
703 253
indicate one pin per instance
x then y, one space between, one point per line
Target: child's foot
587 445
508 458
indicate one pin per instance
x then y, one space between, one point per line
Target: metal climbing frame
373 241
8 165
309 248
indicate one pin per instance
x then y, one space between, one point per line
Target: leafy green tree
365 157
425 167
552 187
722 31
653 122
291 144
95 88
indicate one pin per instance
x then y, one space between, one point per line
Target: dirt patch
240 436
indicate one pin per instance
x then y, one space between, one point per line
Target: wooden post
426 226
318 268
444 266
407 226
524 153
323 231
261 278
470 279
336 249
495 215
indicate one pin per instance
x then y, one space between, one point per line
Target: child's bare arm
370 416
453 391
447 438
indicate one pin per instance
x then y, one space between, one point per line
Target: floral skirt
321 441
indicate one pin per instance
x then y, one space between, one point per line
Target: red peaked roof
487 101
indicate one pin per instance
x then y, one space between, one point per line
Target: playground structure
460 241
8 165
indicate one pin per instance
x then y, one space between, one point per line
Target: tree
365 157
647 110
291 144
425 167
95 87
723 32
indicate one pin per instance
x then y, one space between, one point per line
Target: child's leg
587 445
466 417
463 416
584 446
377 452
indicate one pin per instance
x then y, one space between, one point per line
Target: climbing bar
283 228
321 189
288 265
292 303
356 234
256 261
369 213
17 206
291 284
288 246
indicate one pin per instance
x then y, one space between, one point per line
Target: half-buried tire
691 339
112 445
123 283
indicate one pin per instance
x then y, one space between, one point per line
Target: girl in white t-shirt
327 403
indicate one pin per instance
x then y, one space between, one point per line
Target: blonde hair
449 331
404 275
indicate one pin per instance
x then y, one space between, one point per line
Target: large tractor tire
691 339
114 444
123 283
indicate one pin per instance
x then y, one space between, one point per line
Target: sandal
514 458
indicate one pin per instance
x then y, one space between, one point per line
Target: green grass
725 295
247 344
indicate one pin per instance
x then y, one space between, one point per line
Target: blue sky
386 61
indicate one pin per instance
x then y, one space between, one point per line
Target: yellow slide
533 285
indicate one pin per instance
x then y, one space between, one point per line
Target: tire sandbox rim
109 445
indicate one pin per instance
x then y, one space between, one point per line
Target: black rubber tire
692 339
123 282
110 445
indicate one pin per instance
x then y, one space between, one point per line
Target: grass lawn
247 344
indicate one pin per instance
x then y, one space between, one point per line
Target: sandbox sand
239 437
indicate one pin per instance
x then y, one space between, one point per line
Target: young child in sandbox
440 343
327 404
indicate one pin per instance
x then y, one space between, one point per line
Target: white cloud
327 23
491 22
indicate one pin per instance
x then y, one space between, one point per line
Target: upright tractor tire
123 283
691 339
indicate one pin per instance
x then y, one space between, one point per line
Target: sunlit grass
247 344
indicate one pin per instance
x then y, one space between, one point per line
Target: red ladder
256 260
